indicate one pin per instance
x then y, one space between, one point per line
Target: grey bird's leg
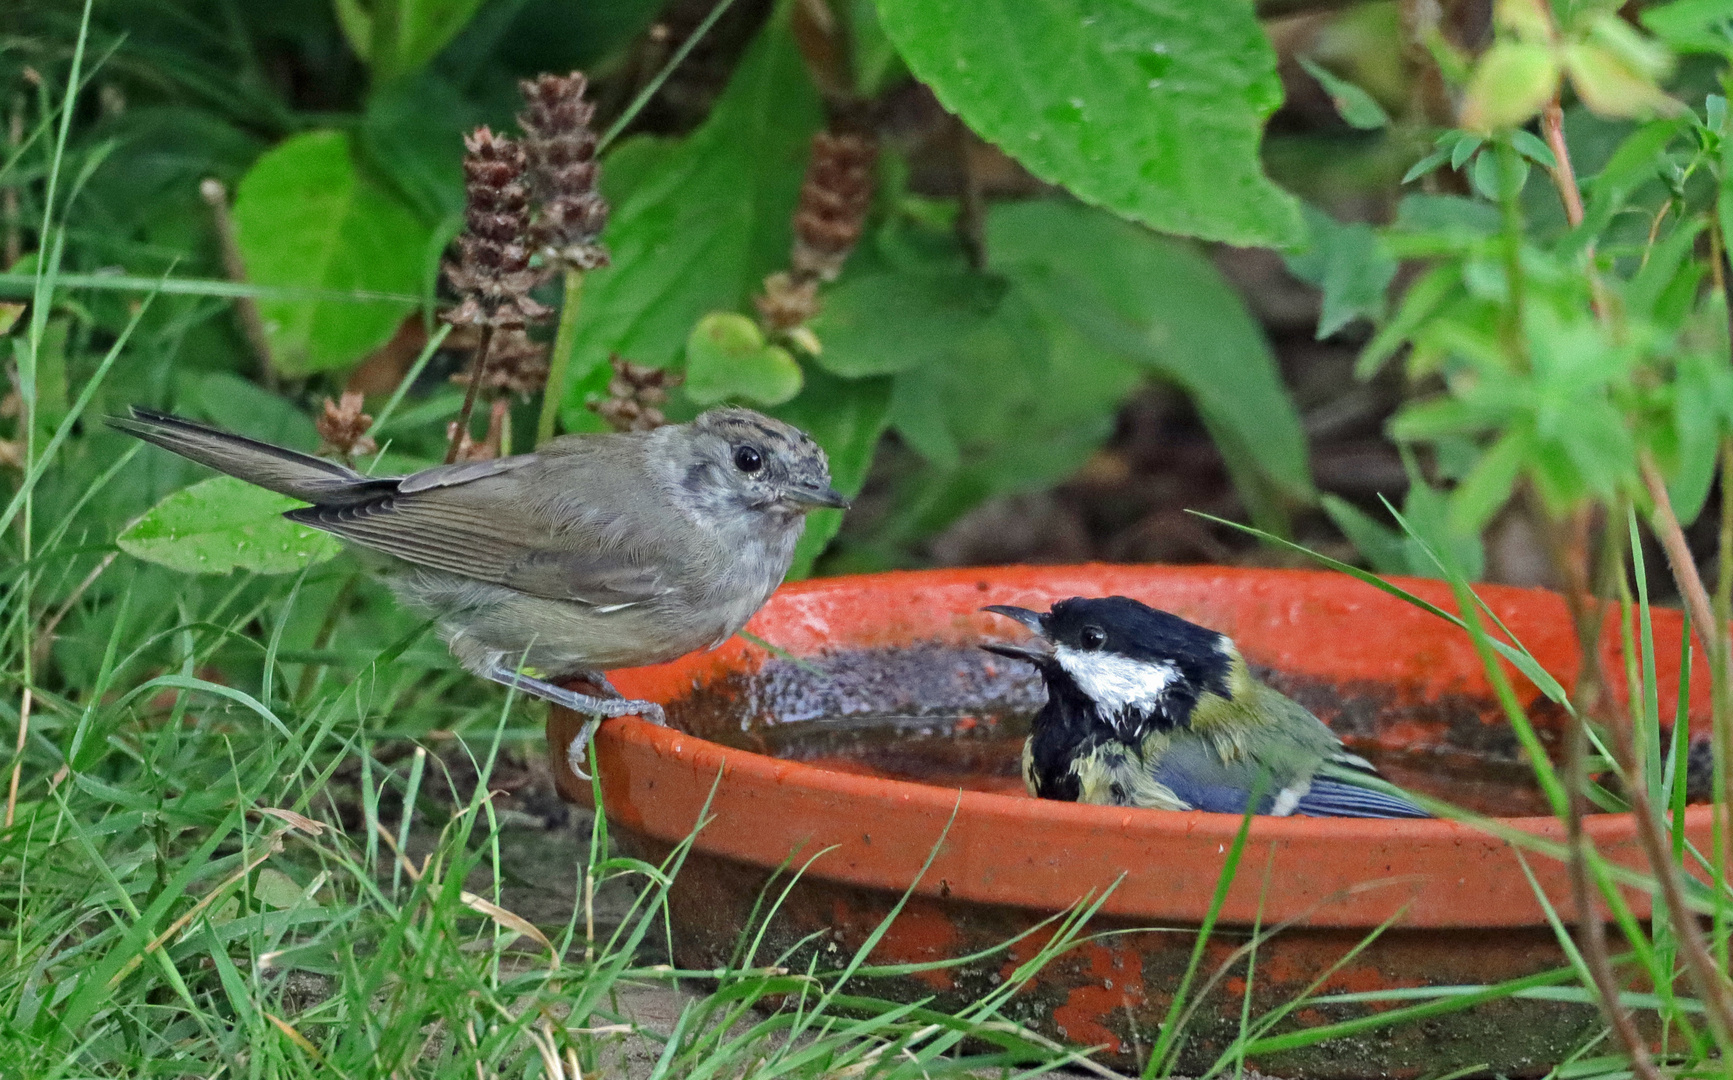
596 707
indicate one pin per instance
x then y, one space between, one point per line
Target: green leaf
874 58
229 401
1611 86
397 37
1487 487
1353 104
1019 401
305 216
1510 84
1427 513
1702 407
846 417
882 321
1425 165
277 889
1379 545
1464 219
1530 146
1637 158
1691 25
412 134
223 524
727 357
1160 304
1424 297
1150 108
1349 264
704 222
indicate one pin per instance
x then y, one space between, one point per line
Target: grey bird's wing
494 521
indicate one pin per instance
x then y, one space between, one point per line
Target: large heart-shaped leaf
1161 304
305 216
1151 108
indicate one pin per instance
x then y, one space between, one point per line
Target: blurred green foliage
1001 357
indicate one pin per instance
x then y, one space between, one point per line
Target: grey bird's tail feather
287 472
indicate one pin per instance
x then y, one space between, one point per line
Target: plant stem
1568 543
661 77
235 269
18 756
1709 981
477 370
1552 126
1721 688
559 366
1679 558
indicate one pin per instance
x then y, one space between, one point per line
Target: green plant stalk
46 272
559 368
661 77
409 377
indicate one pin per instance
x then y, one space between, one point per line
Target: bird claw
597 708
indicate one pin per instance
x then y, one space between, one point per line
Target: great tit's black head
1133 663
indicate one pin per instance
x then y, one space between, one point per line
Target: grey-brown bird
594 552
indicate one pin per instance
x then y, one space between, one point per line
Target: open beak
1036 651
816 497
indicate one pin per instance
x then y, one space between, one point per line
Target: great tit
1146 709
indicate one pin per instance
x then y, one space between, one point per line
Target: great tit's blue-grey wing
1348 786
1199 777
479 521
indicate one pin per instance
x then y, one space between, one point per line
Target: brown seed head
634 393
343 427
561 149
834 200
492 275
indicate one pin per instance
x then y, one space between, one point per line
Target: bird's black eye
747 460
1092 637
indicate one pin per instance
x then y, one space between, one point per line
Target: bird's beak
816 497
1036 651
1031 619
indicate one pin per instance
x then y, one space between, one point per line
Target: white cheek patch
1118 684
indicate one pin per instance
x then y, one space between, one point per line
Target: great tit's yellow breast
1113 774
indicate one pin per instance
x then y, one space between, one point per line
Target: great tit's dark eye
1092 637
747 460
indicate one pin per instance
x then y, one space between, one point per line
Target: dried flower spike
834 200
634 394
514 364
492 276
787 303
560 147
343 427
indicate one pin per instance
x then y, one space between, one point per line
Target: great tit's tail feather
276 468
1337 798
